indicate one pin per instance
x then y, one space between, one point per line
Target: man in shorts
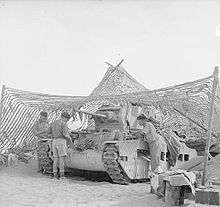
60 134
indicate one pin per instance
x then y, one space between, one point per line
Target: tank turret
111 121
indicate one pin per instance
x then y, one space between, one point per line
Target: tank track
46 163
112 166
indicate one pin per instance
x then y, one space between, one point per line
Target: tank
111 146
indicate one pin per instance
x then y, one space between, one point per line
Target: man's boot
40 171
62 176
55 175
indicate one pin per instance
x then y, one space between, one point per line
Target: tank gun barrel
91 113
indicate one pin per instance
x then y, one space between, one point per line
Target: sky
60 47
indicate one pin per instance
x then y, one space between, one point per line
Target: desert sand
22 186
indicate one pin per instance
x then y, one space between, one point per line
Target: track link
112 166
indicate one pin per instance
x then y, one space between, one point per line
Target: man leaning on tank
59 131
155 141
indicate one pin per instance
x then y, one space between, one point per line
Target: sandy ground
20 185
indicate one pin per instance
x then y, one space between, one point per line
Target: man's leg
61 165
9 160
62 151
38 157
55 159
155 155
39 165
55 165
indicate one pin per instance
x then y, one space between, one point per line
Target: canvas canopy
20 109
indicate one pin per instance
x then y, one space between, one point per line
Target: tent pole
119 63
1 108
214 87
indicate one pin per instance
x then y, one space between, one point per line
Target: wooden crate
207 196
174 195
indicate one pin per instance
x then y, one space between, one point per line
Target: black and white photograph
109 103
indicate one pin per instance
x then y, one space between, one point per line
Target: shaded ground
21 186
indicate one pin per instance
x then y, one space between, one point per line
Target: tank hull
90 160
126 156
123 160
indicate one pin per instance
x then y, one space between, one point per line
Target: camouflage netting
20 109
116 81
95 140
190 100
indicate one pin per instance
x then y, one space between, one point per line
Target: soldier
155 142
40 130
60 135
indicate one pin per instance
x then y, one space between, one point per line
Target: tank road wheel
110 160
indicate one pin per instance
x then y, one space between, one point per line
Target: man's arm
49 130
65 133
41 132
152 129
146 129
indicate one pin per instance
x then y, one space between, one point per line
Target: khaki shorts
59 147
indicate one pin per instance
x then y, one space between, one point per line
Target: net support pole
208 140
1 109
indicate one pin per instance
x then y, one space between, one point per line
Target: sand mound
214 169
